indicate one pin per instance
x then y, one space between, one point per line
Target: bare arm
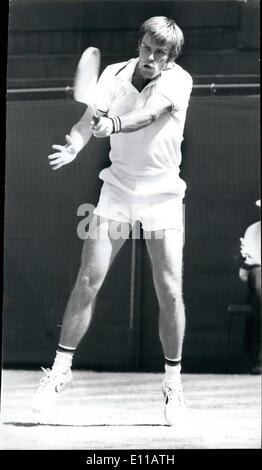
155 107
136 120
80 134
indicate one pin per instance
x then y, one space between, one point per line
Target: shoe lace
44 381
172 394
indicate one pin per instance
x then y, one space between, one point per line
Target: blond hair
166 32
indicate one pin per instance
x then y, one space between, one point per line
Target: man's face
153 58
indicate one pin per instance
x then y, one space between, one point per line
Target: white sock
63 361
172 373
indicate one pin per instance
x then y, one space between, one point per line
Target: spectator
250 272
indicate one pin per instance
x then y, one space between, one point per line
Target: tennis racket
86 77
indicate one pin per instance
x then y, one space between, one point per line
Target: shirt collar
126 73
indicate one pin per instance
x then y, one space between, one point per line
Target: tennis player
142 104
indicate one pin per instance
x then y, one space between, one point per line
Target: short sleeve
177 87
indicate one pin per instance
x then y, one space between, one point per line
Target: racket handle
95 120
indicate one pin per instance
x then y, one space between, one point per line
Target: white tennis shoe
175 408
50 387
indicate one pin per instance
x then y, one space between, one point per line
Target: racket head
86 76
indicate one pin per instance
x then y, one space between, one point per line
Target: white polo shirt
252 243
153 150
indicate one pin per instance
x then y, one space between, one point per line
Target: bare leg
166 257
97 255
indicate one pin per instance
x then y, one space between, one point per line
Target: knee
88 284
171 298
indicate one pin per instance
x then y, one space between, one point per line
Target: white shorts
155 201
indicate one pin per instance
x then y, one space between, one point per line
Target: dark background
220 166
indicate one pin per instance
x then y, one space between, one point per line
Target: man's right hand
66 154
243 274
